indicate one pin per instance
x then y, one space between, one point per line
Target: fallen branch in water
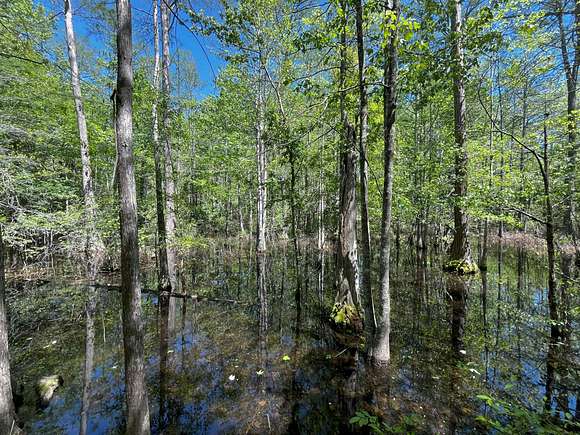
195 298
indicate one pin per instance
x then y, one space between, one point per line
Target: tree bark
366 257
7 413
170 219
550 243
94 248
135 388
381 350
321 233
348 287
164 283
460 249
262 175
571 71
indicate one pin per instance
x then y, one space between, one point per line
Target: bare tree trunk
484 249
293 214
550 243
7 414
348 289
164 284
135 388
366 287
381 350
261 204
321 232
571 72
170 219
240 211
460 252
94 248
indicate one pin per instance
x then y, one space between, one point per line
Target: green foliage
409 424
461 267
343 314
510 418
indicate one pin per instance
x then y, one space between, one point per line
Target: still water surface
212 369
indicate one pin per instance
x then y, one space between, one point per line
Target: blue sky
182 38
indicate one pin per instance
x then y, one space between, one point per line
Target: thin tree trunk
170 219
571 72
366 287
261 203
521 217
293 214
381 350
164 284
135 388
321 232
7 414
550 244
94 248
484 249
460 252
348 288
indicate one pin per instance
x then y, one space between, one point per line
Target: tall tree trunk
571 71
460 252
366 287
261 203
521 216
7 414
94 248
294 225
135 388
321 232
550 243
382 351
163 284
170 219
348 287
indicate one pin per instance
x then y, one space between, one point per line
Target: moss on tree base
45 388
347 325
461 267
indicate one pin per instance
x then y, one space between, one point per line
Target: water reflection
457 288
451 340
90 311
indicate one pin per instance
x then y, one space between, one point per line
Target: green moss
460 267
46 386
343 314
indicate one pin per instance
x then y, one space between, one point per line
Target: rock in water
45 388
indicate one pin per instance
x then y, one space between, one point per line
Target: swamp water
211 367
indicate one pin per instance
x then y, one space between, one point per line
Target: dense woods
336 160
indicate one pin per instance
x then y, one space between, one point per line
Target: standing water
467 354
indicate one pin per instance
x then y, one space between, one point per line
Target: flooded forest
289 217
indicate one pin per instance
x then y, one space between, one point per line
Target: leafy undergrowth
409 424
510 418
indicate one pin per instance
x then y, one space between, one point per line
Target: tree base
461 267
347 326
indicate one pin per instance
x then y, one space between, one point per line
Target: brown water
211 369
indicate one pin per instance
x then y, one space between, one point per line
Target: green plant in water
513 419
343 313
408 424
461 267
